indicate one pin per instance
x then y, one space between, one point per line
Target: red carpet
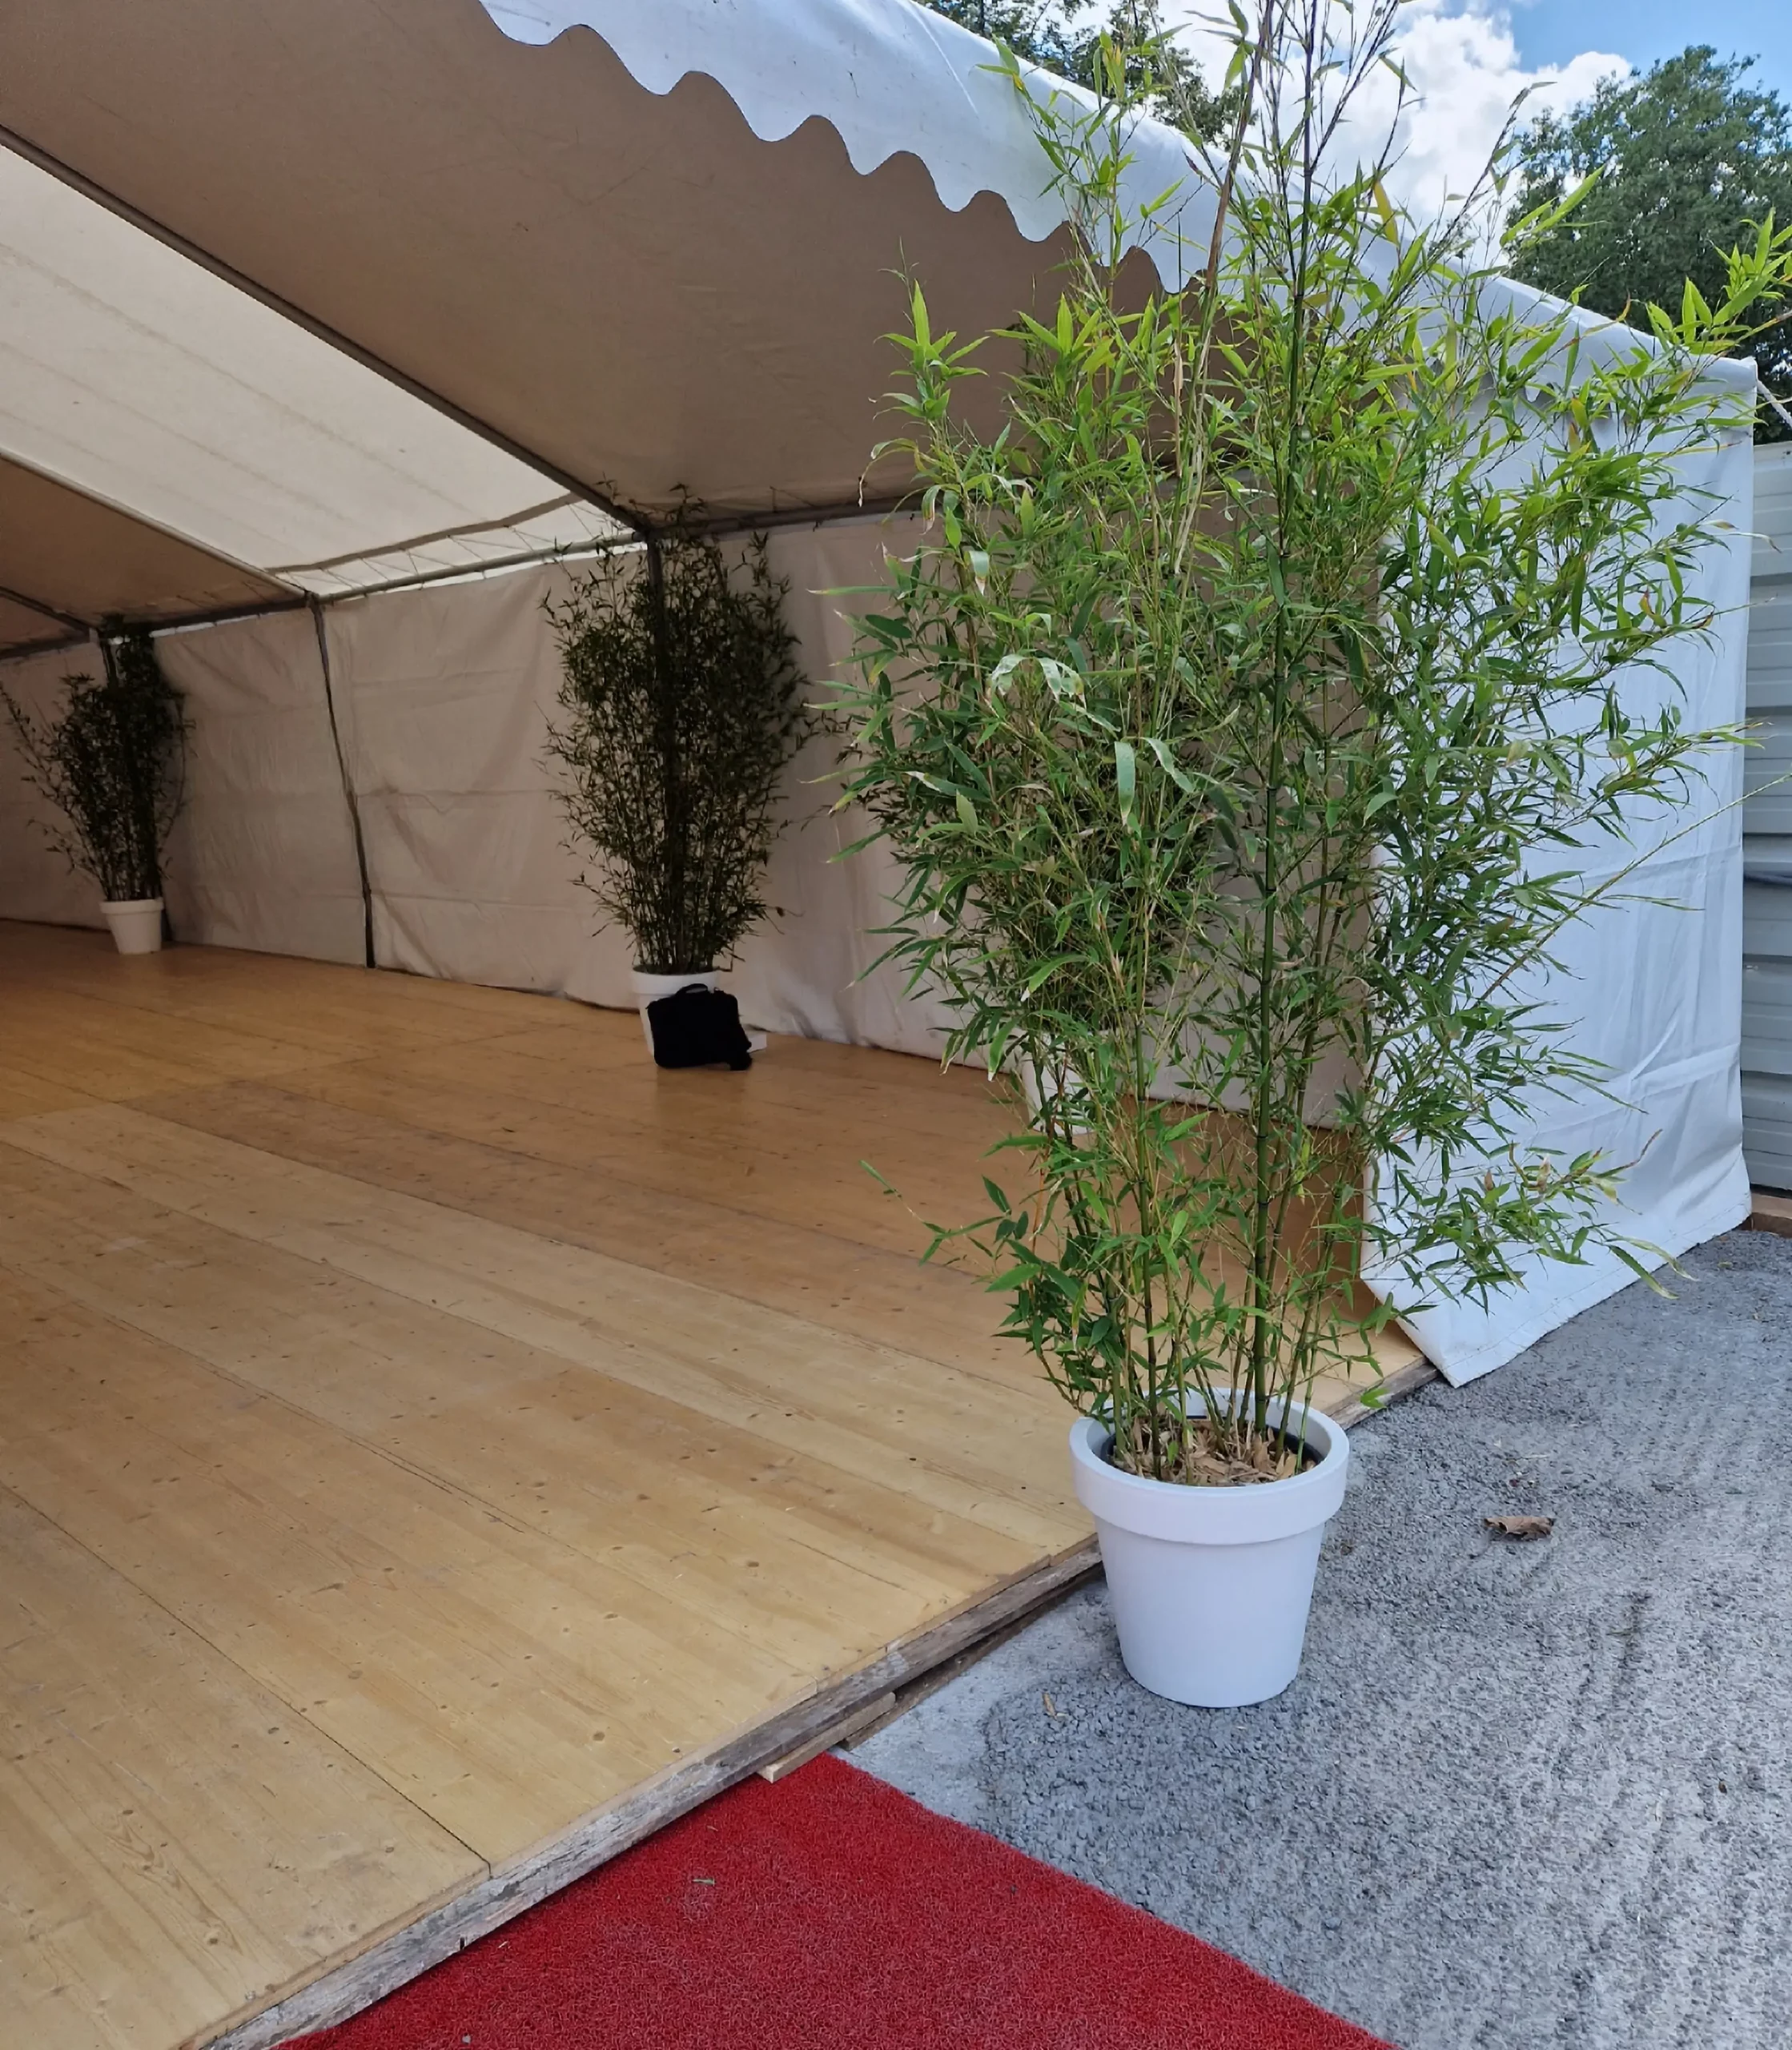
830 1912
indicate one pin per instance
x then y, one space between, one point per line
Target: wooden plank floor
425 1431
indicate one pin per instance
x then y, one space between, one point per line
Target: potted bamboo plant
1224 724
111 761
682 707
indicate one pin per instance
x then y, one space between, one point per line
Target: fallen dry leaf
1520 1526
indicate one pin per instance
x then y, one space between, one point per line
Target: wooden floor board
178 1846
837 1196
24 1095
484 1672
855 1404
435 1445
672 1501
860 1291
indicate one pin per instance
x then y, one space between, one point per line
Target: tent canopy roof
340 295
226 456
626 283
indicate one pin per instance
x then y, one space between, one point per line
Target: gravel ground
1521 1795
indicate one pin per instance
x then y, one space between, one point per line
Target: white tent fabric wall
444 695
1653 990
264 854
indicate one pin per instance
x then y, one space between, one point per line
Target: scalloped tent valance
889 77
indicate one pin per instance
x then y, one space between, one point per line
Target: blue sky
1551 32
1468 60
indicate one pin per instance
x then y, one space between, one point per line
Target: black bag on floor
698 1028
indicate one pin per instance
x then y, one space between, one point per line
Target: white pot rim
131 903
1256 1512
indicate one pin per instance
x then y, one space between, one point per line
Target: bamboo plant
1237 723
112 763
682 707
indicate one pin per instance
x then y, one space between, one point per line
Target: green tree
1687 156
1065 36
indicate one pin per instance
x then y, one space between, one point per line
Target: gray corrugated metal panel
1767 1130
1769 609
1773 482
1773 508
1767 1017
1770 681
1767 809
1769 676
1767 836
1766 921
1771 733
1766 857
1769 657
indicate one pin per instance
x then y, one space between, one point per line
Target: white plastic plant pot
1040 1090
136 925
1211 1585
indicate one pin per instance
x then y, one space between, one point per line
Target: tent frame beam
348 794
75 624
718 529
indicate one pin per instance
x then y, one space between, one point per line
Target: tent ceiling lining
21 146
628 286
598 278
37 606
78 559
73 559
225 456
660 250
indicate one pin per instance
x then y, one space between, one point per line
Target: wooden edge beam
1770 1213
1403 1380
860 1720
506 1892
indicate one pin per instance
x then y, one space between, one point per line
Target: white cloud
1463 64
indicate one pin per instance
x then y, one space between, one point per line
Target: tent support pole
666 720
316 611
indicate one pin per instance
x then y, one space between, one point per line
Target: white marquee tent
327 331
